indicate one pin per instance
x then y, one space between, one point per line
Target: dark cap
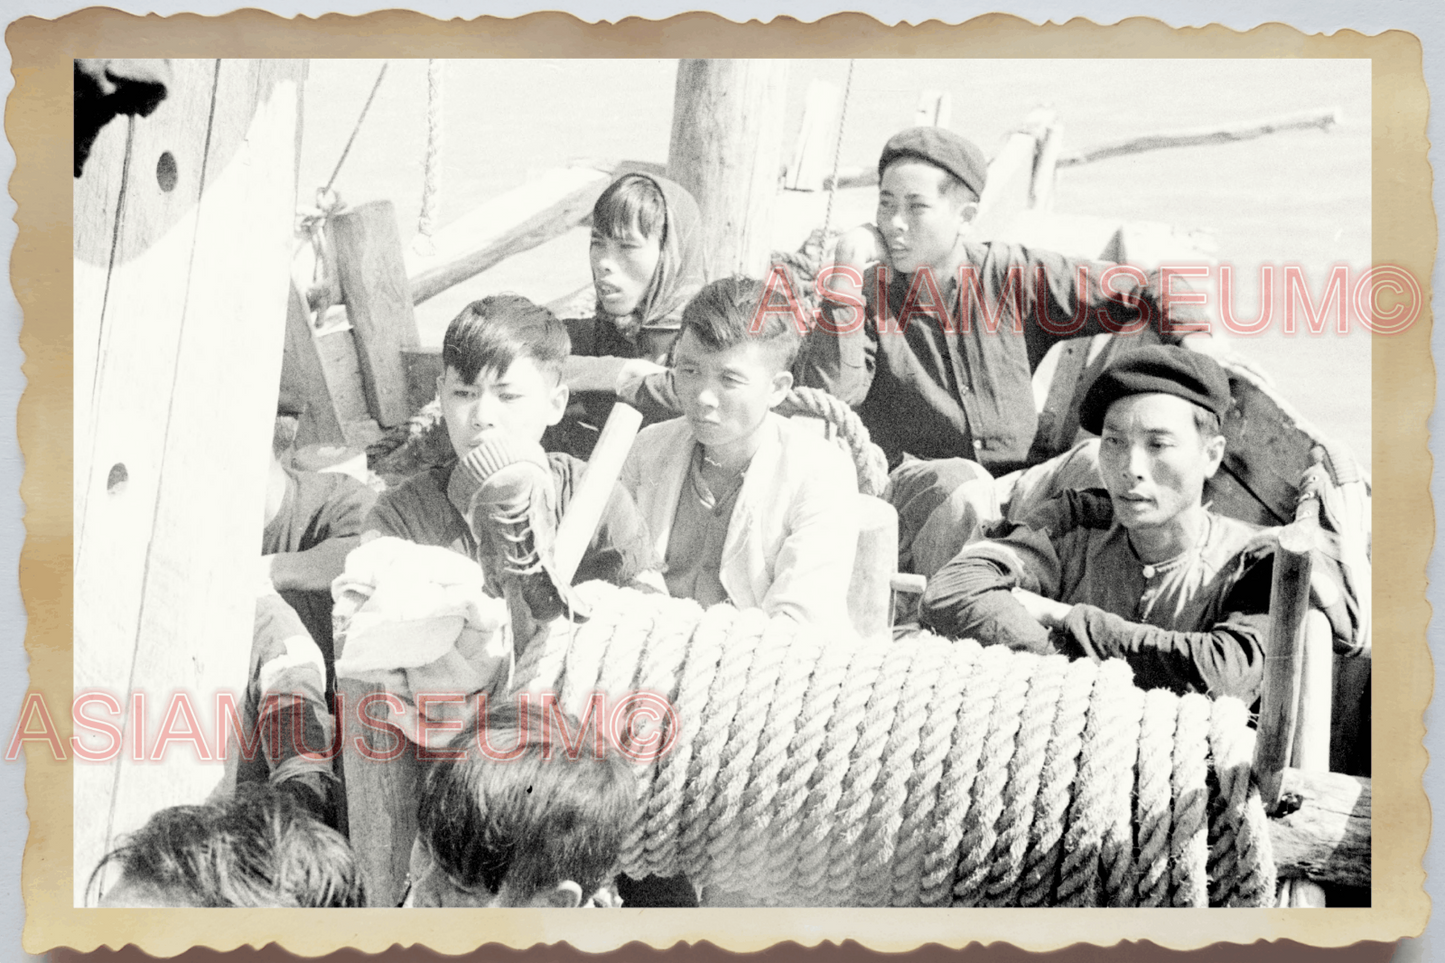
1156 369
942 148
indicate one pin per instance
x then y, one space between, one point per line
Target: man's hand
633 374
1044 611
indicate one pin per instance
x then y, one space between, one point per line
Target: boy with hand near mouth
500 390
745 506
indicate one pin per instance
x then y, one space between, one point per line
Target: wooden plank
1326 838
726 149
1314 119
301 369
1284 659
423 368
209 386
1010 174
119 470
817 138
372 272
517 221
1045 173
97 199
341 368
381 797
1311 751
935 109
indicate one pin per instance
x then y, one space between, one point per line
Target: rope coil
837 771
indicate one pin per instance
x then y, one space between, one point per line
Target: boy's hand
860 248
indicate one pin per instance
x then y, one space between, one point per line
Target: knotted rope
813 771
867 457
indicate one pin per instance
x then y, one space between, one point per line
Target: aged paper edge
1404 234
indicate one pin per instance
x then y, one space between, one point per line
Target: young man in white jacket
743 505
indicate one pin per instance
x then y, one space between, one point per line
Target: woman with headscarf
647 262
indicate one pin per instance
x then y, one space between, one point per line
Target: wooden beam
372 271
1325 837
1314 119
726 149
517 221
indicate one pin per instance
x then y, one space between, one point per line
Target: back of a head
529 822
258 848
731 311
490 334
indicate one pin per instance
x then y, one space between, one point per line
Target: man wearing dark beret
1141 569
945 370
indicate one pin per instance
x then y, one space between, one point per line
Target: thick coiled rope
919 772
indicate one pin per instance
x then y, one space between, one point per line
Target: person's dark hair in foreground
258 848
540 829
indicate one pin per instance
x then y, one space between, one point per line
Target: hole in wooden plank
166 174
115 483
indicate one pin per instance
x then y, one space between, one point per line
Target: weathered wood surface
372 271
1315 119
176 393
1327 839
515 222
1279 710
1311 751
380 792
341 368
303 373
726 149
1010 176
817 138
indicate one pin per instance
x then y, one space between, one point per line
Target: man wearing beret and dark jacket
940 365
1138 570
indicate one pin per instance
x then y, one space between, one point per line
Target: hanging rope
431 177
838 149
356 129
834 771
325 289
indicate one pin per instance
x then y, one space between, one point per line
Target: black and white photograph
657 483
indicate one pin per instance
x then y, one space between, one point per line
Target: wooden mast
726 149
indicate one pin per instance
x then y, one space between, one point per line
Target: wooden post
372 271
817 138
870 591
303 371
1011 176
185 218
726 149
1327 839
1284 662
